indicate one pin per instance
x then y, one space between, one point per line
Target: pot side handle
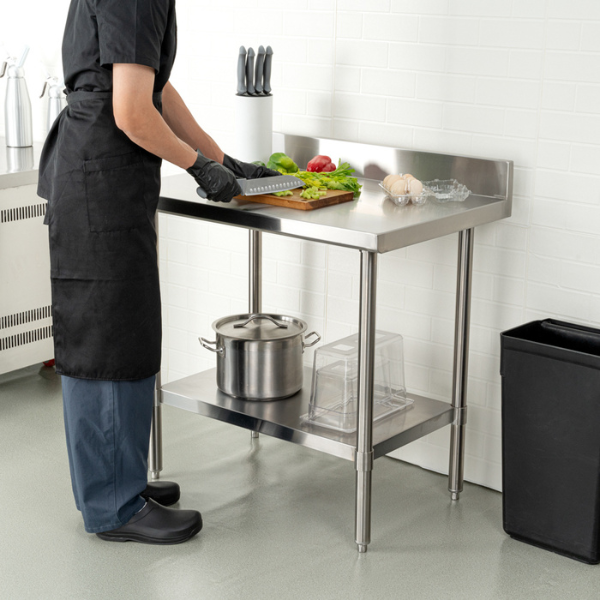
206 344
304 345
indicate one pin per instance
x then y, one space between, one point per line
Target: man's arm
137 117
182 122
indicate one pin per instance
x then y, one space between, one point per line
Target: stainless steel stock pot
259 356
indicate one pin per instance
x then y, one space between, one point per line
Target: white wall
38 24
517 79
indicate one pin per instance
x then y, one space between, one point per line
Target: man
100 171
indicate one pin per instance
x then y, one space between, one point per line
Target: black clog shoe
156 524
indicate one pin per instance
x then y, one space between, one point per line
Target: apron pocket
114 189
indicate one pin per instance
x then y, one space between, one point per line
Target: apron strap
81 96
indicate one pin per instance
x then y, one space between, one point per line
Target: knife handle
241 182
241 72
250 72
258 79
267 70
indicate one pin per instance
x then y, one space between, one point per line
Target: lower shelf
282 418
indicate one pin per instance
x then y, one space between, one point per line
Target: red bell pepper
321 164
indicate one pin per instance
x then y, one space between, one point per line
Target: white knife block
253 128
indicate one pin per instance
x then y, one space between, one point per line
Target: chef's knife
241 72
267 70
258 79
250 72
264 185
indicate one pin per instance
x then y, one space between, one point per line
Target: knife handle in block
267 70
250 72
258 79
241 72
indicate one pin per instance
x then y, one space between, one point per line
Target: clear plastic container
447 190
404 199
334 393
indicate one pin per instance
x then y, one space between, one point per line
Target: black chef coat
102 192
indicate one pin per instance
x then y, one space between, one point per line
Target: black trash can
551 437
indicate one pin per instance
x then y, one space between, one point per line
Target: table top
373 222
19 166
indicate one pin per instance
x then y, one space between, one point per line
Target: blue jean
107 424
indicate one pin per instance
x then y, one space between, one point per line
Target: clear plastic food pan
334 393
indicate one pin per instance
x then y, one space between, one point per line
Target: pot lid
259 327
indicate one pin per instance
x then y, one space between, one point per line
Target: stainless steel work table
371 225
18 166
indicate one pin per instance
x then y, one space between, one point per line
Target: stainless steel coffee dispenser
17 109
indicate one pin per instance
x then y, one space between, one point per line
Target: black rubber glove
247 170
218 182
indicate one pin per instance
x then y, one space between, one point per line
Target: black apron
102 192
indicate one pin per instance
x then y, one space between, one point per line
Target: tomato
321 164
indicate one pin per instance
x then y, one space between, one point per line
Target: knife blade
250 72
268 185
264 185
267 71
241 72
258 79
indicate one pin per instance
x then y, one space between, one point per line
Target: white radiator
25 312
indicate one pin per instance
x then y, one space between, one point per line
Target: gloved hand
247 170
218 182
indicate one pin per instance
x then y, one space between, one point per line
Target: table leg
364 440
255 279
155 456
461 362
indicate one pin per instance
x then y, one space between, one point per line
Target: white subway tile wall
517 79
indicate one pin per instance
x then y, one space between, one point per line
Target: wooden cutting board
332 197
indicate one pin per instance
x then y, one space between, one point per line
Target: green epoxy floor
278 523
